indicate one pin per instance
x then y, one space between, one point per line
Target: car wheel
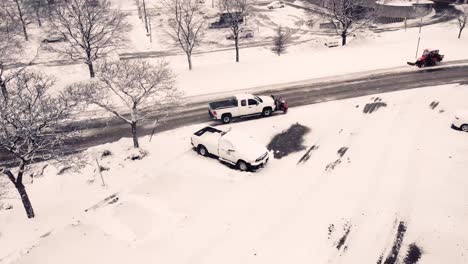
242 165
202 150
266 112
464 128
226 119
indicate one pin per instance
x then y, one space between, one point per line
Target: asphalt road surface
103 130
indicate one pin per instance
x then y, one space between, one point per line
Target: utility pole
419 38
150 30
146 19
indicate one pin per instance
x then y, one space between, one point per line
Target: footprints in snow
339 237
306 156
374 105
340 241
434 104
413 254
330 166
341 152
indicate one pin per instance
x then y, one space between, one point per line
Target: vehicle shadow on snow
243 119
288 141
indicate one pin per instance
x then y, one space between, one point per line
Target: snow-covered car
230 147
52 38
242 105
461 120
275 4
243 34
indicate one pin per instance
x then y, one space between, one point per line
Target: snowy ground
388 180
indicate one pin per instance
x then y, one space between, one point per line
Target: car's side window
252 102
243 102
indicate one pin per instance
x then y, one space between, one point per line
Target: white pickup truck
241 105
230 147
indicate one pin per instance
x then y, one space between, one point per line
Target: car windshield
258 99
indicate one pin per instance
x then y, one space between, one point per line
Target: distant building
399 10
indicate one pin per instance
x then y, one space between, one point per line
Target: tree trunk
89 62
236 41
343 39
189 59
18 182
3 89
38 16
146 19
134 134
460 32
23 23
91 69
25 198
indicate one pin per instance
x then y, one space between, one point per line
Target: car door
210 141
244 108
227 150
253 106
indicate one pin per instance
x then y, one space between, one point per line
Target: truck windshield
258 99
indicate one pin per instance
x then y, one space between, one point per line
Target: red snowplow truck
429 58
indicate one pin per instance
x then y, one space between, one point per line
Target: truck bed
227 103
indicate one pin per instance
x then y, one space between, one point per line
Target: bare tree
17 11
186 22
130 90
92 29
462 18
280 40
36 7
10 47
236 11
137 2
30 125
347 16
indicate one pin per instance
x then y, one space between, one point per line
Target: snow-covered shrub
106 153
136 154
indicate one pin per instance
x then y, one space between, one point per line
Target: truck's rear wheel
202 150
226 119
242 165
266 112
464 128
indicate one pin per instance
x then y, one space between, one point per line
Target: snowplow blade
411 63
